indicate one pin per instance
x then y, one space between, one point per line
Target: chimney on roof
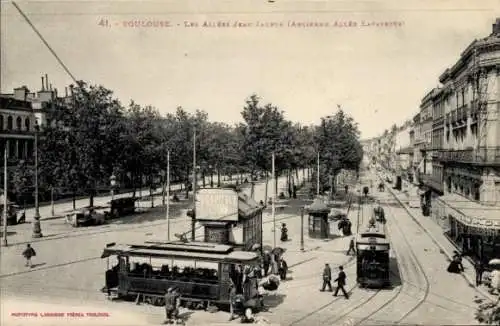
46 82
496 27
55 92
50 88
66 91
43 84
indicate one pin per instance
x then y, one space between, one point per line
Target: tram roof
195 251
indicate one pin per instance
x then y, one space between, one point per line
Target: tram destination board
217 205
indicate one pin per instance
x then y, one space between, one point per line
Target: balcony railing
482 155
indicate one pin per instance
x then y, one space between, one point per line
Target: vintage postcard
273 162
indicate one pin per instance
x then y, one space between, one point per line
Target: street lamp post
37 230
112 181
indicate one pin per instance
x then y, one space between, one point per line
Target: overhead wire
45 42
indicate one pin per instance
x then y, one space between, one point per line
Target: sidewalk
63 207
435 232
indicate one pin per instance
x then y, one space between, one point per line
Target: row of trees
91 136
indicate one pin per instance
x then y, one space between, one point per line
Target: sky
377 74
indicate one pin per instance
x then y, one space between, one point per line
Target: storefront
228 217
318 220
477 236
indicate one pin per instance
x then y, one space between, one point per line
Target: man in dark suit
327 277
341 283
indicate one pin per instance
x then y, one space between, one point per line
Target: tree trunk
203 177
74 200
218 179
151 193
133 184
252 187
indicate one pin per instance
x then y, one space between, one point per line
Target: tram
202 272
372 251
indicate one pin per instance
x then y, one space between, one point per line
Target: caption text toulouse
240 24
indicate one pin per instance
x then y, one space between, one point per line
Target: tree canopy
90 136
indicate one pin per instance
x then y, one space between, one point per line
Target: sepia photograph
271 162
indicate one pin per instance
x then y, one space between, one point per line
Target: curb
464 275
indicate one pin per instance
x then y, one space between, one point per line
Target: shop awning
476 216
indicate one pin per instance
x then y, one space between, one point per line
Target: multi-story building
426 108
439 100
403 152
21 112
470 156
417 148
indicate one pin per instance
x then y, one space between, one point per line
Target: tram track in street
416 266
344 317
347 266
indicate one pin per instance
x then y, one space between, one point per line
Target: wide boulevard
69 273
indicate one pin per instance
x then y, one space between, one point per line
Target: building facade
417 148
21 114
469 158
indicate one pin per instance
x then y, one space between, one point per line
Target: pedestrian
341 283
171 305
232 296
327 278
266 262
274 264
351 247
283 268
28 253
458 259
479 267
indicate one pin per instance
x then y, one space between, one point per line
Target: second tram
372 251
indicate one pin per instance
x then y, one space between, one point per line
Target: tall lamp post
112 182
37 230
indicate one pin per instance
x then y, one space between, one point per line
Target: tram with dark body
203 272
372 251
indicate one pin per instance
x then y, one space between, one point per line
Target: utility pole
273 204
194 184
317 177
168 196
5 243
